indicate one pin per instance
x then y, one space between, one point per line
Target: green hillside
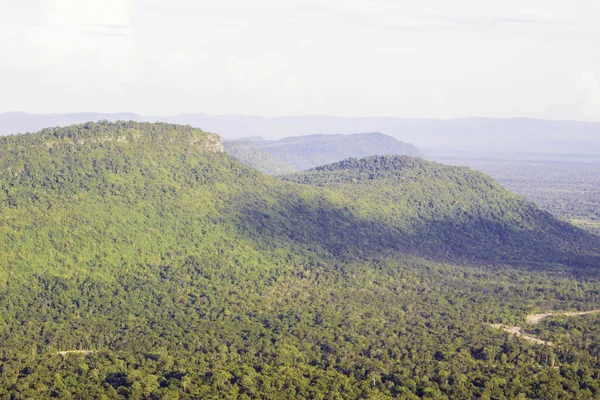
246 152
181 273
452 211
305 152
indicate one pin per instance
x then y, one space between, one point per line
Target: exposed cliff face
207 143
211 143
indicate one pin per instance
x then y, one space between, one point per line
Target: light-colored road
82 352
517 331
536 318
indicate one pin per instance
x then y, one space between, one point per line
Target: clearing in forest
533 319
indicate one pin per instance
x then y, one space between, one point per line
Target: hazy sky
428 58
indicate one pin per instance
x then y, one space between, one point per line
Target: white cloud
77 14
252 74
352 57
588 88
75 44
540 14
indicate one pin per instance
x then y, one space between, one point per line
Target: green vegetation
245 151
451 211
305 152
592 226
568 186
571 332
191 275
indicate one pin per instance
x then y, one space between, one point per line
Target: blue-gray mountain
306 152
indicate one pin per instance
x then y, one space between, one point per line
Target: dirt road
82 352
518 331
536 318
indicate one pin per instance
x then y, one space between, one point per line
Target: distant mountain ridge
510 134
246 152
305 152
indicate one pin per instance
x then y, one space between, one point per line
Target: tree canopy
178 272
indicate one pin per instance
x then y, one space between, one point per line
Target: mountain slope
451 210
132 174
191 275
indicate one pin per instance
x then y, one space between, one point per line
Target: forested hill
372 205
164 268
453 210
305 152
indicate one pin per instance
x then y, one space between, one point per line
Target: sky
425 59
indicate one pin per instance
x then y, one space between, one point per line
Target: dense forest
451 211
309 151
166 269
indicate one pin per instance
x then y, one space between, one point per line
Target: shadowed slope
451 212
